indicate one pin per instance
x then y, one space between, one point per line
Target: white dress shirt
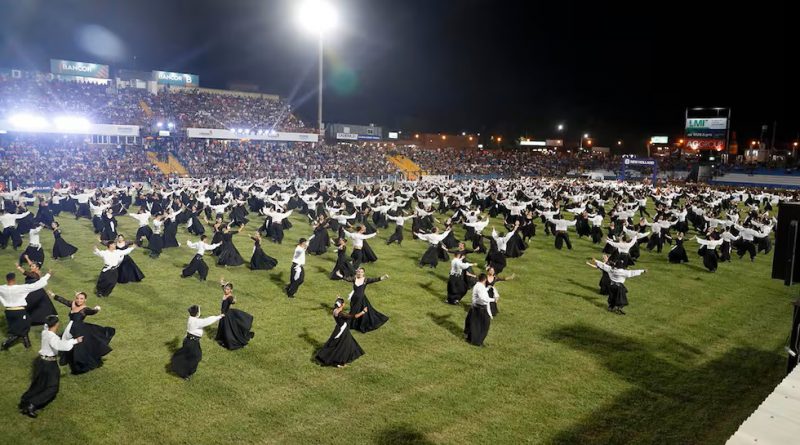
195 325
458 266
10 219
33 237
112 259
480 297
52 343
502 241
142 218
358 238
618 275
14 296
201 247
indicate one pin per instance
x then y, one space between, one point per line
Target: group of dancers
353 214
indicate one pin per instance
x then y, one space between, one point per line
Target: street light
317 17
619 142
585 136
560 127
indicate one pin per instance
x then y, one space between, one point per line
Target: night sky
625 70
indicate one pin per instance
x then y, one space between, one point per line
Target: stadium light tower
318 17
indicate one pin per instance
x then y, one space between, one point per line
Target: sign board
659 140
706 127
82 69
706 144
216 133
554 143
178 79
89 129
529 143
639 161
393 135
347 136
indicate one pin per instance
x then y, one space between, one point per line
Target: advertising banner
554 142
178 79
659 140
706 127
83 69
216 133
706 144
347 136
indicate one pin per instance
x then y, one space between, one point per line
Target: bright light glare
586 135
170 125
560 127
72 123
27 121
317 16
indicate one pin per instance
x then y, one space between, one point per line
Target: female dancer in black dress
341 348
185 360
260 260
46 374
234 329
343 267
171 229
319 244
89 354
228 254
61 248
491 279
359 300
39 305
109 226
128 271
677 254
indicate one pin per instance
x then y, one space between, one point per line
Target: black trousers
396 236
19 325
10 233
746 246
44 384
196 265
562 237
294 283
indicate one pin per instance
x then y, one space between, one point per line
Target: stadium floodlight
170 125
26 121
72 123
318 17
560 127
160 124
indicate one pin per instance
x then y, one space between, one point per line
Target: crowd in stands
99 104
46 161
106 104
237 159
195 109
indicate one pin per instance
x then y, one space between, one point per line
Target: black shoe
26 341
252 334
620 311
29 411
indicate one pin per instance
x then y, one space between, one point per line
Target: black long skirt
319 244
39 307
185 360
36 254
229 255
339 351
456 288
397 236
430 257
262 261
710 259
44 384
369 254
497 260
88 354
106 282
155 244
617 295
605 284
677 255
234 329
370 321
63 249
343 267
128 271
143 232
476 325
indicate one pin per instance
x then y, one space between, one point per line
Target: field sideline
695 355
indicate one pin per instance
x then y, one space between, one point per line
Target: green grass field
695 355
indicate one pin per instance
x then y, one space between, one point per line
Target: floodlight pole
319 101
